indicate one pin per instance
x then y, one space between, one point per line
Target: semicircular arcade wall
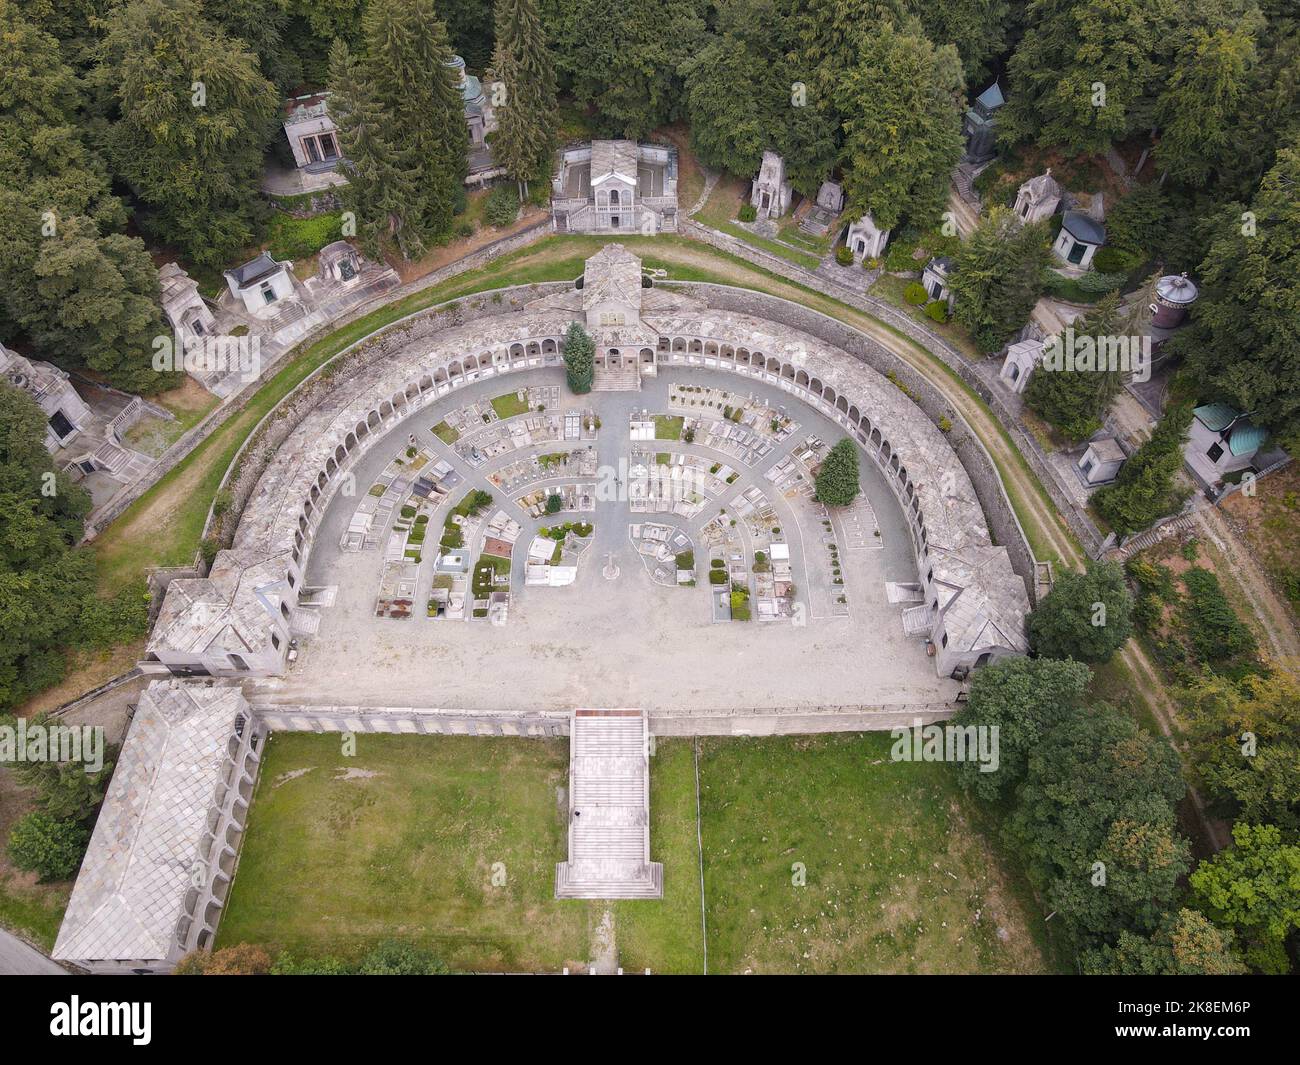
235 622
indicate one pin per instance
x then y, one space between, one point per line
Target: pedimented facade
615 186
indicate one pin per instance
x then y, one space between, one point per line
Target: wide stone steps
609 816
623 380
605 880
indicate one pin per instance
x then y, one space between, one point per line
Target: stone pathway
710 182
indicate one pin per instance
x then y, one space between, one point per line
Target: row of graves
412 473
728 574
555 552
419 488
578 497
791 478
578 463
828 593
773 585
490 583
667 482
667 553
751 412
481 435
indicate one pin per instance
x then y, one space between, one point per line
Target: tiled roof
131 890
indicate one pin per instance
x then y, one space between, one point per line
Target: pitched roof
1083 227
144 850
254 270
613 273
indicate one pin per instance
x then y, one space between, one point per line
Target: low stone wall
1080 523
977 462
746 721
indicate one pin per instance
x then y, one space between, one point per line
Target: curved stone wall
943 492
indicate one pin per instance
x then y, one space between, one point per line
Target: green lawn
402 839
896 878
407 848
445 433
668 426
509 405
664 935
36 911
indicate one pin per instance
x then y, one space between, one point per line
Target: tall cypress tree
408 67
526 118
382 190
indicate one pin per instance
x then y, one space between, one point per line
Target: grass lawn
35 911
890 289
668 426
664 935
445 433
509 405
897 879
401 840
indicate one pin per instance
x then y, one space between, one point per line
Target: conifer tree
383 188
579 354
526 116
408 65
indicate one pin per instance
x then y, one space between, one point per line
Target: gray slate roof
131 889
1083 227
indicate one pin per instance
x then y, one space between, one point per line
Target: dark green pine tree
526 117
1244 336
383 186
997 277
1076 402
408 65
579 358
837 480
902 125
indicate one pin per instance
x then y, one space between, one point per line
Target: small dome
1177 289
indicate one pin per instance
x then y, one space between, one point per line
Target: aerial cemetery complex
790 499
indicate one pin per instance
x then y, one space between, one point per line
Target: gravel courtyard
624 641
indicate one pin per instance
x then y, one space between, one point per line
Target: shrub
1113 259
554 504
843 256
244 959
463 230
1218 636
301 238
393 958
502 206
47 846
747 213
686 560
937 311
1086 616
717 576
915 294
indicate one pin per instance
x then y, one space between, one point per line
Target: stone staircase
609 810
918 621
625 379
